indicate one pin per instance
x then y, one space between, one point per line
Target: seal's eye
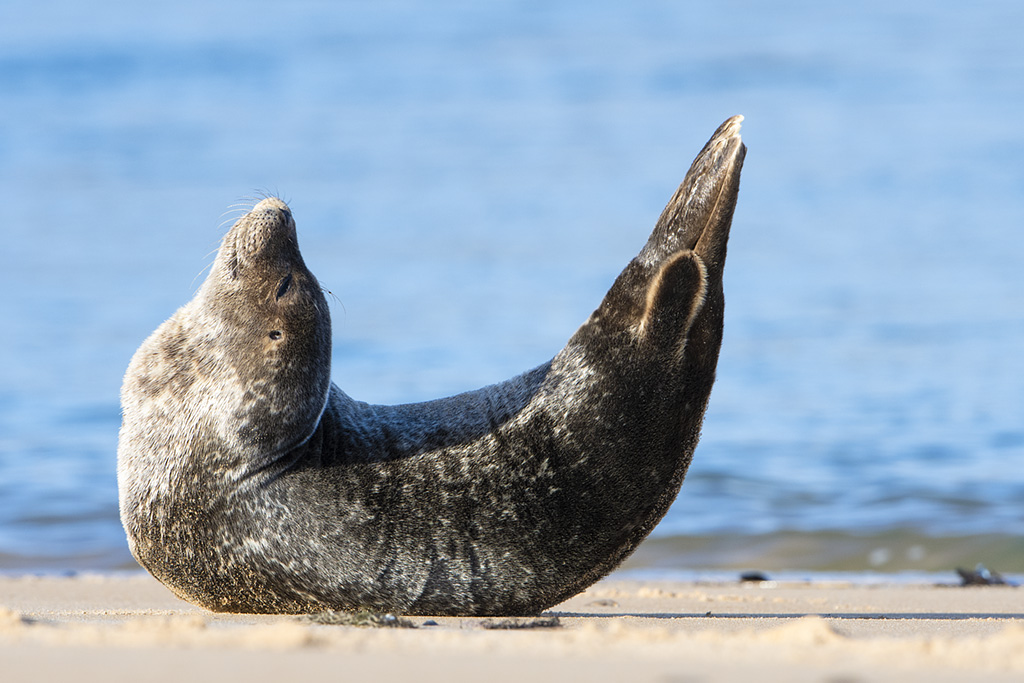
275 334
286 283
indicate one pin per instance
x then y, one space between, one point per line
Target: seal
248 482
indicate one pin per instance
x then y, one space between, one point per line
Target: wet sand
118 628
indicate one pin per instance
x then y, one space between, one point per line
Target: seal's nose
274 209
271 203
271 214
266 232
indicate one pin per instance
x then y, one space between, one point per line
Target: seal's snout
272 205
265 234
269 216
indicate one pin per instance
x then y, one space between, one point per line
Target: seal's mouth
264 235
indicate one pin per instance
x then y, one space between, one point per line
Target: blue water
468 178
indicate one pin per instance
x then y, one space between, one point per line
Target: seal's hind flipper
674 298
700 212
696 220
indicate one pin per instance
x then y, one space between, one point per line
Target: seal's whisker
211 257
238 208
335 297
245 204
230 220
199 275
234 212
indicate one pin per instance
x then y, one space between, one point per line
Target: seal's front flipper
674 298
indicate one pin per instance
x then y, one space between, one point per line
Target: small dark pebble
363 619
980 576
604 602
429 622
516 623
754 577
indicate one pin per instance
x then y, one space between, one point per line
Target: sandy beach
128 627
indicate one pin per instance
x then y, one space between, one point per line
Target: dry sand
121 628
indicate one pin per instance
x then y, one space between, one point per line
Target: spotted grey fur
250 483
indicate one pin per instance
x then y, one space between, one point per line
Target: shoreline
682 556
114 627
696 577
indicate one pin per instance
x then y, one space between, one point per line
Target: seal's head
243 368
270 316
